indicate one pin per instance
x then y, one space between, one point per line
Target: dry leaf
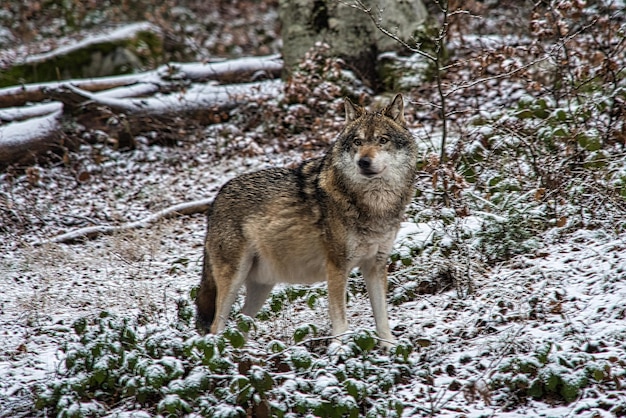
540 193
83 176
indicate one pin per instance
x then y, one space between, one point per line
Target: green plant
550 375
278 300
511 227
112 362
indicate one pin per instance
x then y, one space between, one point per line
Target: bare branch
358 5
91 232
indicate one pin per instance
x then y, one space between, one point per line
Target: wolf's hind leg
229 279
256 294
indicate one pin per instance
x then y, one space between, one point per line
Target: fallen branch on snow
231 71
91 232
160 94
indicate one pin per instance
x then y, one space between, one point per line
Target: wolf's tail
207 294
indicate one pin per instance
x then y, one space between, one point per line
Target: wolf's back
255 192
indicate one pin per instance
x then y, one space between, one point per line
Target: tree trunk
348 31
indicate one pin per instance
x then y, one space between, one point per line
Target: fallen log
19 113
198 96
21 141
170 91
231 71
24 141
123 49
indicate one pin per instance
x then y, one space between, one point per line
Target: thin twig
90 232
435 58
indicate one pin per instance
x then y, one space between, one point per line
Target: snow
412 234
22 113
568 296
571 294
19 134
201 70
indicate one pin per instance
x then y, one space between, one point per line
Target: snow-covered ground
542 334
568 296
44 288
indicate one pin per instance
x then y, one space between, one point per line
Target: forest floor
549 316
568 295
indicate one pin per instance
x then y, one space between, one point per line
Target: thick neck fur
376 197
367 199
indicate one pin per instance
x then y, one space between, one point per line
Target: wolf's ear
395 110
352 111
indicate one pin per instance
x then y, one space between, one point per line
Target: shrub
550 375
113 362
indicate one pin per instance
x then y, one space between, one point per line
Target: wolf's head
376 145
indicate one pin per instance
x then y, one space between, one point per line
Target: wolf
312 223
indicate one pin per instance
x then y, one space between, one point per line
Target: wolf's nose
365 162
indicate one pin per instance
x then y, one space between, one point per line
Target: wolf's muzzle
366 166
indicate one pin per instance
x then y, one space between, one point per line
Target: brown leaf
83 176
33 175
262 409
556 307
540 193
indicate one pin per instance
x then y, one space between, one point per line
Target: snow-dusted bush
550 373
552 155
113 362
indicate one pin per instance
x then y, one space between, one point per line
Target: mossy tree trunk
128 49
348 31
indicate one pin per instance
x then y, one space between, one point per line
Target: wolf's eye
383 141
357 142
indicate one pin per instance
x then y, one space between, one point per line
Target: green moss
143 50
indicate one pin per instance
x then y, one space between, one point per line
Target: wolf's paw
336 348
387 345
202 327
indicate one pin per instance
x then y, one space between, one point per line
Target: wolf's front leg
375 275
337 278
